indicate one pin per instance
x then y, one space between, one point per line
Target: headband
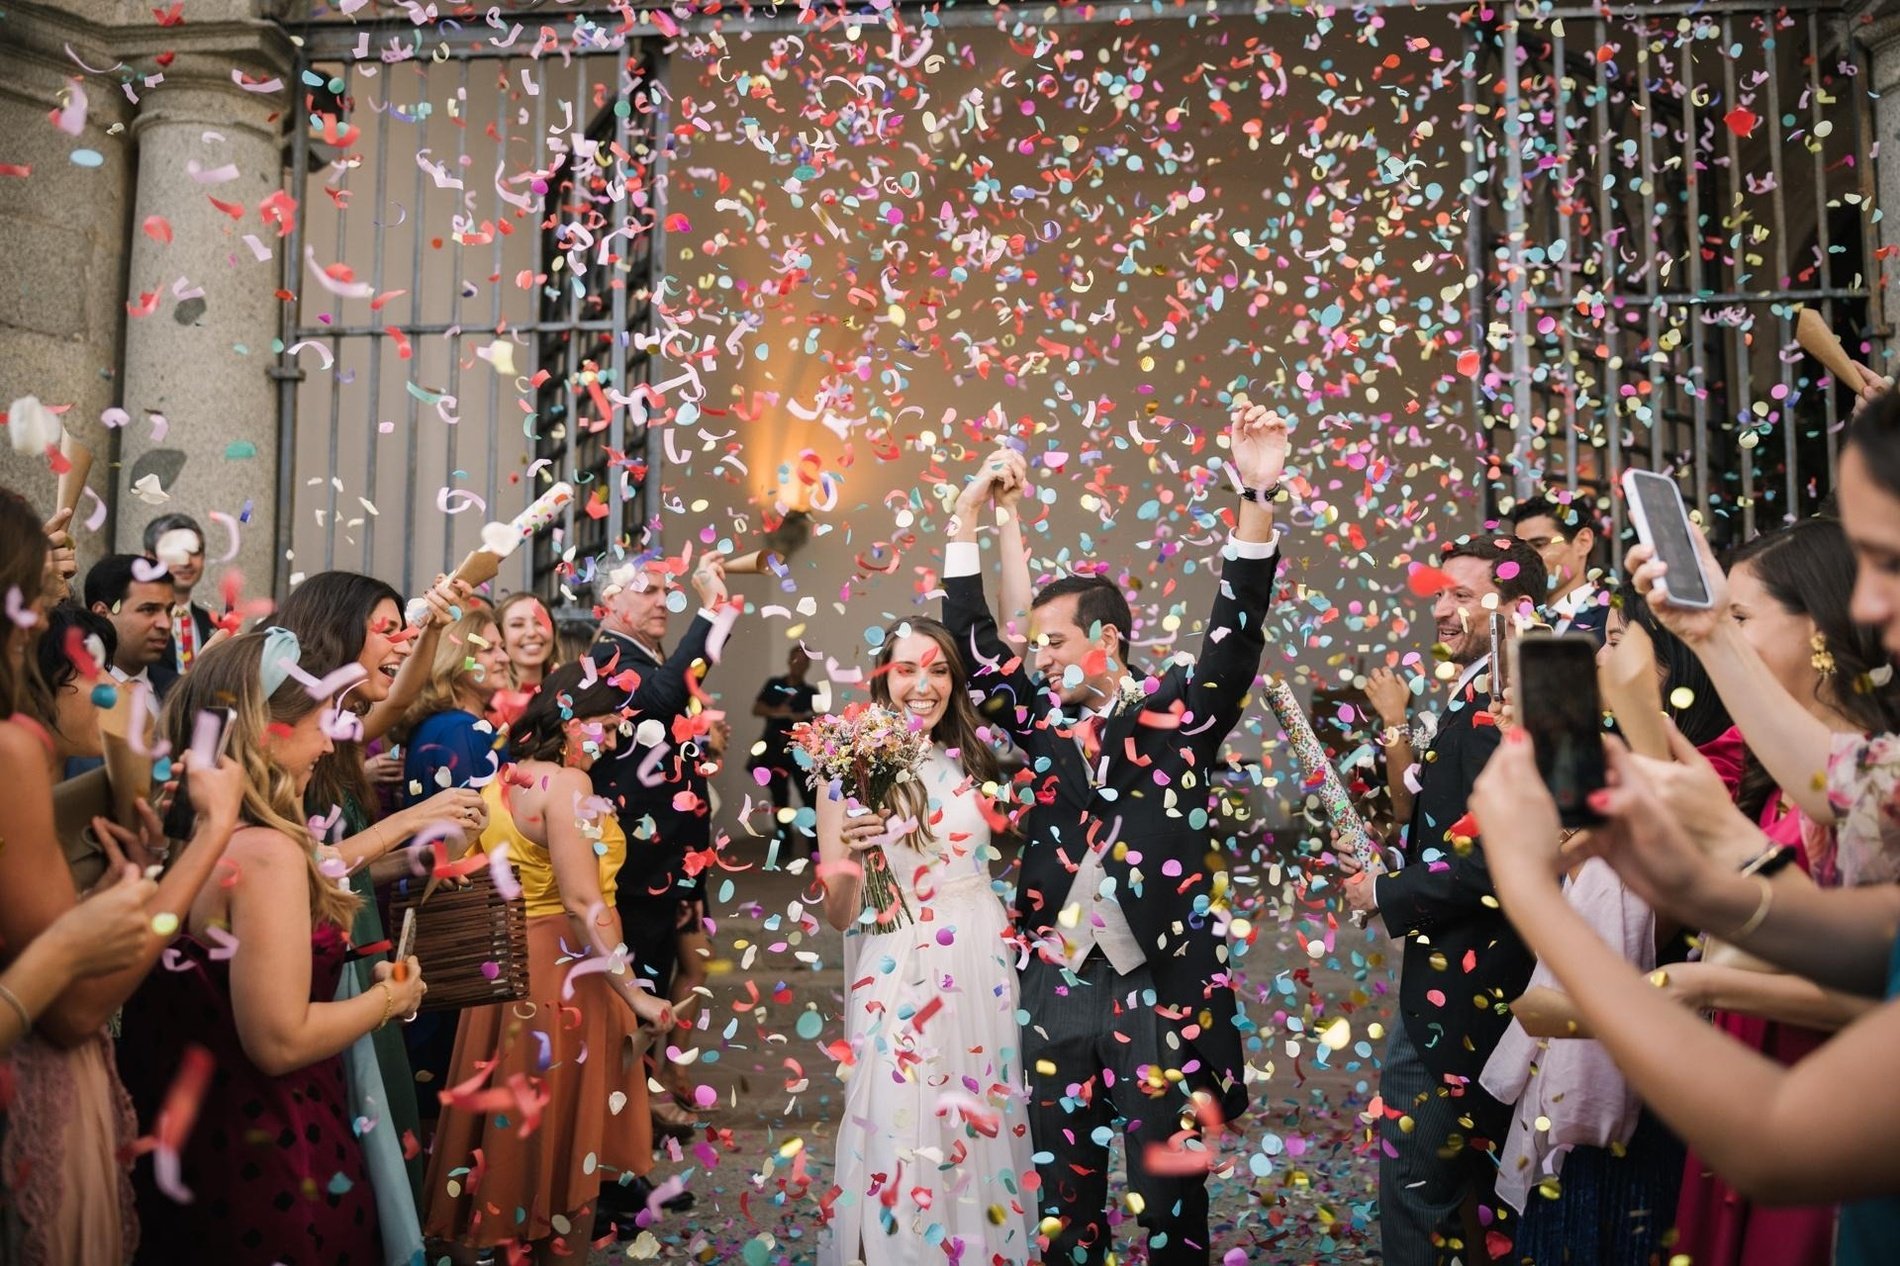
281 655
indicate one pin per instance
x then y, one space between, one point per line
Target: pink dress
1716 1225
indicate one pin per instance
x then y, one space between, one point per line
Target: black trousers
1096 1064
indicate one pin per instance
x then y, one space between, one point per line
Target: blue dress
1869 1229
457 741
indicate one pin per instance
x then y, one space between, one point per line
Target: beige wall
916 357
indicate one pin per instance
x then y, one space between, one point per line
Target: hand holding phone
1556 701
1662 522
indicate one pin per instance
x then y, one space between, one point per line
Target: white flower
32 426
1129 693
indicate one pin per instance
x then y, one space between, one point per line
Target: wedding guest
783 701
135 593
447 742
1435 1181
69 1124
1563 528
573 1063
345 620
177 541
527 639
274 1165
667 817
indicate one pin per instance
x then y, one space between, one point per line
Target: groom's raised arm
1236 633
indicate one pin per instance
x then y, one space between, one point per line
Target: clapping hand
1258 442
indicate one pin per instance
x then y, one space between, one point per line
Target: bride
933 1150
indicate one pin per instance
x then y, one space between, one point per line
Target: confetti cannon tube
1317 766
499 540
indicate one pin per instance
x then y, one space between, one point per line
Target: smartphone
1500 658
1662 523
1555 691
177 816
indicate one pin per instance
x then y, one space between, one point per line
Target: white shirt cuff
962 558
1237 548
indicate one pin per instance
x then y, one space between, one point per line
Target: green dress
397 1109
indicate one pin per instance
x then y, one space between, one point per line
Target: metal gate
1658 192
468 293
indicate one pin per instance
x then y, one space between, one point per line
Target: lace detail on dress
46 1117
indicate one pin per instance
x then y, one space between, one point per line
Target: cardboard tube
1627 682
757 563
1546 1012
480 567
129 773
1818 341
72 484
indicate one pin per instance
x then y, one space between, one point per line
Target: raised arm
1007 496
446 599
280 1026
1801 1140
996 669
1229 658
1790 741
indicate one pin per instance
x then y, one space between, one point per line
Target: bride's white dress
934 1144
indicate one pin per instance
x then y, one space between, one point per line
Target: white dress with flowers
934 1144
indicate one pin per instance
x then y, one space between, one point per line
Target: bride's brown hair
958 729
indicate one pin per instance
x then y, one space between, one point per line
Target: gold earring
1822 658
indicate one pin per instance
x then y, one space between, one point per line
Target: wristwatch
1262 495
1769 860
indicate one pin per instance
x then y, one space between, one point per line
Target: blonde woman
274 1165
527 637
446 742
576 1055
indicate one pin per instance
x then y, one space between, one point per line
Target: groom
1131 1017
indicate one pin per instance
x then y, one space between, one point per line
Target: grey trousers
1087 1046
1422 1187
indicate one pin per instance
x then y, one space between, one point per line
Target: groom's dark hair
1099 600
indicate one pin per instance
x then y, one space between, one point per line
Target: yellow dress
572 1067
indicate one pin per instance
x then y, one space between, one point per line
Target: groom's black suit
1159 756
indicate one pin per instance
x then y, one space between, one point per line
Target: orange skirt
577 1066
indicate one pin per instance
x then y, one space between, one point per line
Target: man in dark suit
1463 962
658 780
177 541
1564 533
1132 1019
135 593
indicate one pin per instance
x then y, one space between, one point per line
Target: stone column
203 310
62 246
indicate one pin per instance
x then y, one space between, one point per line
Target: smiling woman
527 635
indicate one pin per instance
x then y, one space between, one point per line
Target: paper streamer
1317 767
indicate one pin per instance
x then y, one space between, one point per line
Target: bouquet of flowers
873 751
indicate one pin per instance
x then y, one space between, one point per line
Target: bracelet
1770 860
1761 912
19 1008
1393 733
389 1003
1262 495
